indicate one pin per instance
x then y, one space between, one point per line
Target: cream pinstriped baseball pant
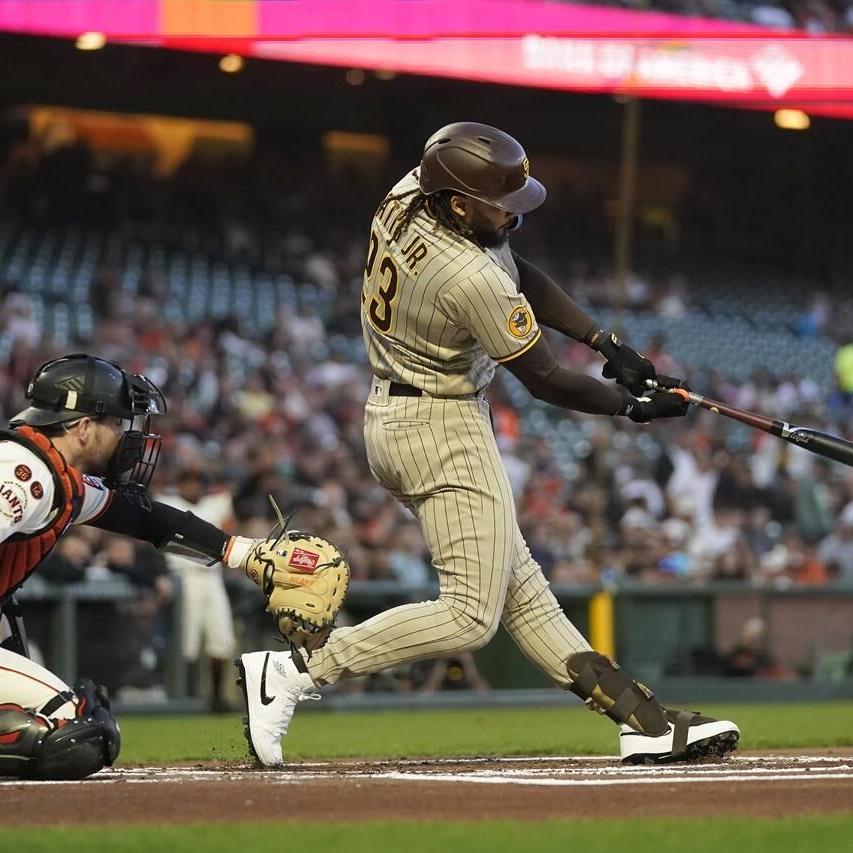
440 459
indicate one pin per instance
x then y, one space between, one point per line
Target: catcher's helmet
482 162
76 386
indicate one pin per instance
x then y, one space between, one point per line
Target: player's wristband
237 550
606 343
595 336
640 411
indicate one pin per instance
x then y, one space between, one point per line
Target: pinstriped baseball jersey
437 311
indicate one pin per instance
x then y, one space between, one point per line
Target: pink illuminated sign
747 72
517 42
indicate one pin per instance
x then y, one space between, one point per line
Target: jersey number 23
383 289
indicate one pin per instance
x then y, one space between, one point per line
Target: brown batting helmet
482 162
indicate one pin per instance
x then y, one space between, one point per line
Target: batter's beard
487 235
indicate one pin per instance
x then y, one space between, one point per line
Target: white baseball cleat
272 682
691 737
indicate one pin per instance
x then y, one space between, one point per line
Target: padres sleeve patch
520 322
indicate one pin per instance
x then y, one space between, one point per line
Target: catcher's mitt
305 579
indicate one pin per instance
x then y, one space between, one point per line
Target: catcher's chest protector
22 552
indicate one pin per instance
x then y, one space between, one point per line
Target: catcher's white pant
439 458
206 613
25 683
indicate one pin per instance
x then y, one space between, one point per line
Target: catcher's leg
35 746
23 682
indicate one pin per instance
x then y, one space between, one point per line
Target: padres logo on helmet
520 322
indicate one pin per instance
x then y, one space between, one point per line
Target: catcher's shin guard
21 735
94 703
35 747
606 688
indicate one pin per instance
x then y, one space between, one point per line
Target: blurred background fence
714 642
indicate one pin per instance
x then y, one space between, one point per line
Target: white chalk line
735 769
588 783
555 759
485 779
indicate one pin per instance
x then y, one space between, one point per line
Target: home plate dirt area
757 784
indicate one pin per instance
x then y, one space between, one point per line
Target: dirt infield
465 789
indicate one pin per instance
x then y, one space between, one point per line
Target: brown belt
398 389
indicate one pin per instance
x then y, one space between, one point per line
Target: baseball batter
444 301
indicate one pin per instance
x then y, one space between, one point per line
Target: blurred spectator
145 631
812 322
694 479
815 17
140 563
750 658
672 303
206 619
19 324
68 561
456 673
714 539
735 564
658 353
836 551
771 13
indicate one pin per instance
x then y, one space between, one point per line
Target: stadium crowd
279 411
812 16
272 403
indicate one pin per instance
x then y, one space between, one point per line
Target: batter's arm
547 381
552 306
557 310
537 369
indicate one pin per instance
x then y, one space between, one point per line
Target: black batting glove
657 404
671 382
624 364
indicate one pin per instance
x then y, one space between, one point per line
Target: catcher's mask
482 162
78 385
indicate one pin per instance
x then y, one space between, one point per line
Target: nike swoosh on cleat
265 700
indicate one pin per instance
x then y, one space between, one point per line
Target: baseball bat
812 440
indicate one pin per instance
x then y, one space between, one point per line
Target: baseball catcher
82 453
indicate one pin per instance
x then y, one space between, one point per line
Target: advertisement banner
765 73
516 42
